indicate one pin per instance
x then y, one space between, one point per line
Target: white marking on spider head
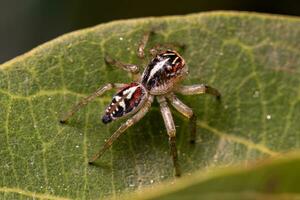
169 54
174 61
169 67
157 67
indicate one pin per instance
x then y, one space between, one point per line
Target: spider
161 79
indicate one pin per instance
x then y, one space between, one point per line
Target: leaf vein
31 194
239 140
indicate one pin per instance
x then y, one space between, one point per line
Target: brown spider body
161 75
161 79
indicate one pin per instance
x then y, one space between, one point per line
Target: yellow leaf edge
103 26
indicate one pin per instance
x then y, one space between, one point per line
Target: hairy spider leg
192 90
100 91
143 43
185 111
132 68
131 121
171 130
160 47
198 89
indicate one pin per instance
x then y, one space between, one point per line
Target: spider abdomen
126 101
163 72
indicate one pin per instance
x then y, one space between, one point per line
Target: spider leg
134 119
198 89
100 91
160 47
171 130
133 69
143 43
187 112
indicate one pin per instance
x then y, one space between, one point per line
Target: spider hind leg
131 121
187 112
199 89
100 91
171 130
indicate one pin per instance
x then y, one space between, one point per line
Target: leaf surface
253 59
276 178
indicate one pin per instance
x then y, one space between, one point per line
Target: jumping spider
160 79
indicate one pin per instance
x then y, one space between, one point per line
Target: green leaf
272 179
253 59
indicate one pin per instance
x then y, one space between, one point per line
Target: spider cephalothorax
163 72
161 79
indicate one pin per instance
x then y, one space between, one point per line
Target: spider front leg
143 43
198 89
171 130
157 48
100 91
160 47
139 115
133 69
185 111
